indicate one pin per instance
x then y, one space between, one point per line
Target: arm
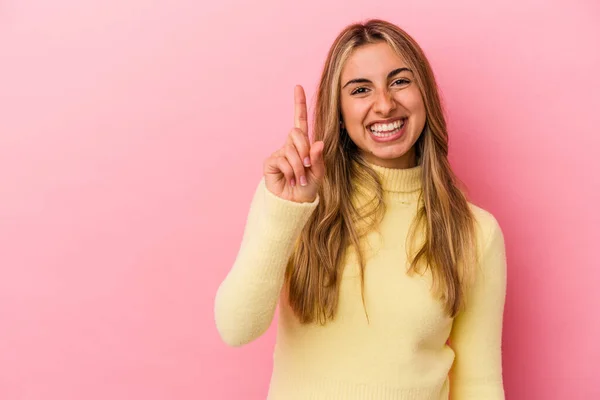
477 332
246 300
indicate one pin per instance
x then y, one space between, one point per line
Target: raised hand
295 171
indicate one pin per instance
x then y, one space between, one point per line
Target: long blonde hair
444 218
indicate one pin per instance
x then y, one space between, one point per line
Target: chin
397 156
390 153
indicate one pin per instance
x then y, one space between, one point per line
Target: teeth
387 128
384 134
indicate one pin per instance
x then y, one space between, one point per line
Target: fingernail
293 182
303 180
307 162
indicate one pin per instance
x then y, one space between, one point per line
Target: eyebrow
364 80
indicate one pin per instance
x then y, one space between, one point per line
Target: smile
388 130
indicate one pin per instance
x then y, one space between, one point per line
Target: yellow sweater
409 348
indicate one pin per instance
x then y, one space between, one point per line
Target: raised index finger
300 114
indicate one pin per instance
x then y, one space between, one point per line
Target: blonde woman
390 283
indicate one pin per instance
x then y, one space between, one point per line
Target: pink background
132 134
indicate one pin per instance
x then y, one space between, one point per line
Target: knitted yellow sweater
409 348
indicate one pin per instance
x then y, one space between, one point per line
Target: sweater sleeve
476 336
246 299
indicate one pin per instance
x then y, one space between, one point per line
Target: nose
384 103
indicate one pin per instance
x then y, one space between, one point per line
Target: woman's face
382 107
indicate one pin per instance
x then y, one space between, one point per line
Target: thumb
316 159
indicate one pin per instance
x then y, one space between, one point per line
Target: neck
407 160
399 180
401 186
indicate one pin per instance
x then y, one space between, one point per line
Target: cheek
416 104
411 100
354 112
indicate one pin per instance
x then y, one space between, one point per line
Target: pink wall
132 135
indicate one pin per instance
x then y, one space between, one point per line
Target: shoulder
487 227
491 276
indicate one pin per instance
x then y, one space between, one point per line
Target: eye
359 90
401 81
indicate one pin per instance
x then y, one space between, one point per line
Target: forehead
371 61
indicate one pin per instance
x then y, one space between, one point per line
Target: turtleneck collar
399 180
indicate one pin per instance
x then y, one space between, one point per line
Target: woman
391 285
